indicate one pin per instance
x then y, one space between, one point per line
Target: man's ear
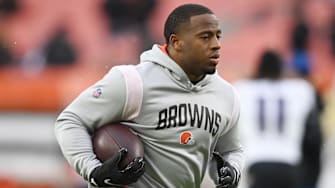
175 42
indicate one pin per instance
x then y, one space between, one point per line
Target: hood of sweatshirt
157 56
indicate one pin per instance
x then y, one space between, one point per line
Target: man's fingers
123 152
136 165
135 169
224 171
140 170
226 180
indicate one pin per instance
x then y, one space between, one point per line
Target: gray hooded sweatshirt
180 124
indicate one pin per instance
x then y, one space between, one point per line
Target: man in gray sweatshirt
173 92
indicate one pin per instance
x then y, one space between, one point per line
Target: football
109 139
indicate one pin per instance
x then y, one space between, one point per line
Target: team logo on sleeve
186 138
97 92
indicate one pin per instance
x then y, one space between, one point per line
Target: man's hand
228 175
109 174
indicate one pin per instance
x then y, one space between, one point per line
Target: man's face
201 44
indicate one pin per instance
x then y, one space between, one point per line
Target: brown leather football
110 138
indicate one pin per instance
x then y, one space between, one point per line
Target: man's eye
205 37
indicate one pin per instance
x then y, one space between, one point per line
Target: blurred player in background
184 113
280 127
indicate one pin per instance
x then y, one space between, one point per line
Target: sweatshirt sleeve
99 104
229 145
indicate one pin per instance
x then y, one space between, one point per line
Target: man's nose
216 43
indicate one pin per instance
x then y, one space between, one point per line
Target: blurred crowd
68 32
52 49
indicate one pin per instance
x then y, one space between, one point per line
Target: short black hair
299 36
270 65
180 15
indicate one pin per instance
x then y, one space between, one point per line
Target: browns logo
186 138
